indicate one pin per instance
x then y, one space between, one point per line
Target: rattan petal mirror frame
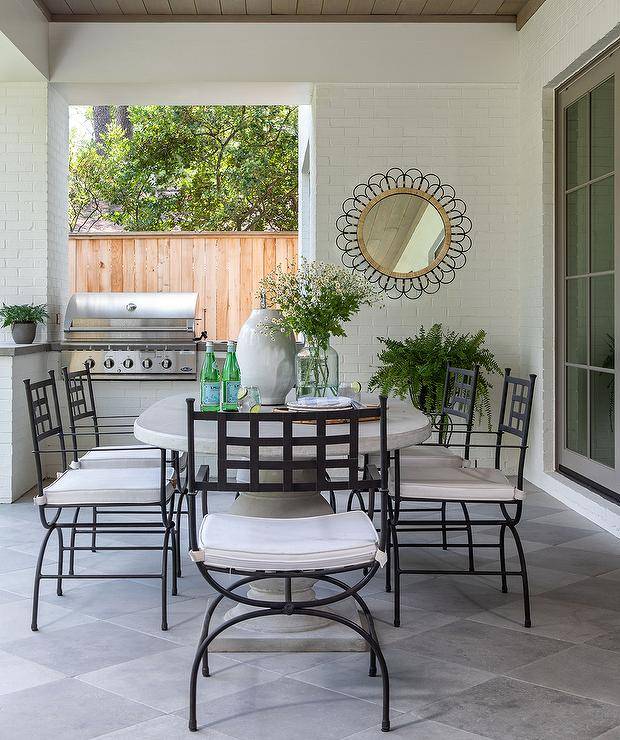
440 271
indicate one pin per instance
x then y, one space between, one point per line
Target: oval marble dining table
164 425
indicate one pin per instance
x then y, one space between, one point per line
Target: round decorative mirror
406 231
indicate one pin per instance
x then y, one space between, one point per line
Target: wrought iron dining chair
108 489
320 547
452 448
84 422
469 487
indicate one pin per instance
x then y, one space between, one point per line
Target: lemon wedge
255 409
243 392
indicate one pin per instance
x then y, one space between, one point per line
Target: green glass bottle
209 381
231 379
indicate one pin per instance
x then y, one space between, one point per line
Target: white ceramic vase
265 361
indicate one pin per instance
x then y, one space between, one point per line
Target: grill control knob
128 363
108 363
90 363
166 364
147 363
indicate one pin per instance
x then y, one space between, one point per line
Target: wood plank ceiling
498 11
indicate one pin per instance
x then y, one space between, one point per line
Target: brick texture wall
33 196
23 194
57 196
468 135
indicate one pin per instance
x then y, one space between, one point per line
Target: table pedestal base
292 634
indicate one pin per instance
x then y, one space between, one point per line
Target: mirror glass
402 233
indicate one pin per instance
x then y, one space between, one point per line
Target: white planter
266 362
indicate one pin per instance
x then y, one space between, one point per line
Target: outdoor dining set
399 473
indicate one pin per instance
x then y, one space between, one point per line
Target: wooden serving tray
286 410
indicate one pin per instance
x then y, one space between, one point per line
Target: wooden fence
222 267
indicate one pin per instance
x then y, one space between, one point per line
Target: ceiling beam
43 8
527 11
162 18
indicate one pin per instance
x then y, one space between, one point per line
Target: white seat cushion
460 484
93 486
121 456
125 456
411 457
307 543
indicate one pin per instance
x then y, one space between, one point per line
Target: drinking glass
352 390
248 399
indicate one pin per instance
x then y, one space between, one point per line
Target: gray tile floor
462 666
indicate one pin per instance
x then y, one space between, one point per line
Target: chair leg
164 581
388 549
174 537
37 579
502 557
61 551
93 542
470 537
203 503
372 643
177 539
372 668
444 531
72 543
396 573
332 500
205 631
527 622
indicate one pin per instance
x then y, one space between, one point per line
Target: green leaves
21 314
415 367
193 168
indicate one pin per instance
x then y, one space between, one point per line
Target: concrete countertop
10 349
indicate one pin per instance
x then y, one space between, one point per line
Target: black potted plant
416 367
23 320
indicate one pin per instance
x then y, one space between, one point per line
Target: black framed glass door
588 290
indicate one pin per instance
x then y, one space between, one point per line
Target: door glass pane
577 142
577 232
602 225
602 128
577 410
576 320
602 321
602 418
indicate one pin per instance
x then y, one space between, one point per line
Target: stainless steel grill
131 335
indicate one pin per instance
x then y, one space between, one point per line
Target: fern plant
416 367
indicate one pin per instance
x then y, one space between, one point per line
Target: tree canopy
190 168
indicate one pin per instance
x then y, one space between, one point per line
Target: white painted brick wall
23 194
57 223
468 135
33 198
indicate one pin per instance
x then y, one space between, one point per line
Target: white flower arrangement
316 300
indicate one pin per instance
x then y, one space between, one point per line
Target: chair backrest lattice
515 414
459 401
80 401
265 448
45 419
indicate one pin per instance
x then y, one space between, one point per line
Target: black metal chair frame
46 424
80 396
516 424
368 480
459 400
